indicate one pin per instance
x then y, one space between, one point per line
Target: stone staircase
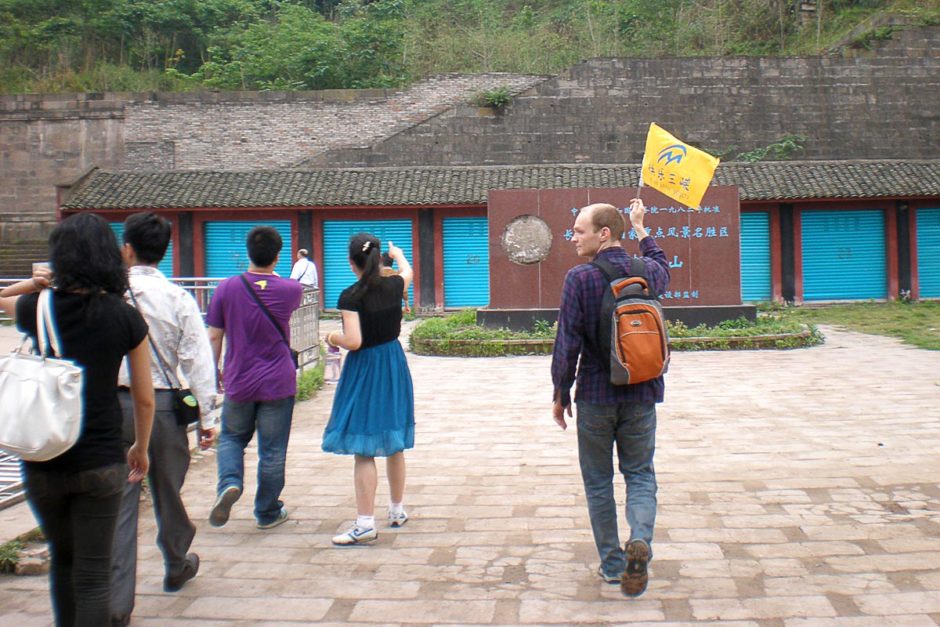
16 258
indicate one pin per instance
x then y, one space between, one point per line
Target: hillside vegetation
170 45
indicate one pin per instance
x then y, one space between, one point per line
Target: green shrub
10 555
783 148
311 380
496 98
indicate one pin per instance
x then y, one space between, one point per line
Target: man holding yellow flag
675 169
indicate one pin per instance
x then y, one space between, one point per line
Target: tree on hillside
55 45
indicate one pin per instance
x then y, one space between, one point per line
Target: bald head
603 215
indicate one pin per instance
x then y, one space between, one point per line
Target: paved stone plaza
796 488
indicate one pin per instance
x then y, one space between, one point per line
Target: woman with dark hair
76 496
373 409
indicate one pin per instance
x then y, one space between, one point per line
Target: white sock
365 522
395 508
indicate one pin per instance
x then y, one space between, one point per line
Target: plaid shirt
578 317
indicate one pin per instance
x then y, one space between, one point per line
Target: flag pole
639 188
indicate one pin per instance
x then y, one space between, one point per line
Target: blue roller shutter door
755 257
166 264
844 255
928 252
466 262
226 254
336 233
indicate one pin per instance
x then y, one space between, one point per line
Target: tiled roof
468 185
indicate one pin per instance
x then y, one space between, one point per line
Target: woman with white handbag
75 495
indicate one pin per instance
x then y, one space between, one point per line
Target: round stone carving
527 239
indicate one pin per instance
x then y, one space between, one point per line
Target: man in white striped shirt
179 342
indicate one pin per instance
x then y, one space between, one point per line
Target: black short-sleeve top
96 332
379 308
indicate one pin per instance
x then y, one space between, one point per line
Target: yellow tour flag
676 169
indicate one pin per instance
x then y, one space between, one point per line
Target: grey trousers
169 461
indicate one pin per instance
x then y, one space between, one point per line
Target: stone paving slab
797 488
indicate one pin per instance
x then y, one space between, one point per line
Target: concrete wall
855 105
50 139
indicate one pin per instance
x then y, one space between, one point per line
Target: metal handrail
11 482
305 339
304 324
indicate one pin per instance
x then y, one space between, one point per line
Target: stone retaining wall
858 104
50 139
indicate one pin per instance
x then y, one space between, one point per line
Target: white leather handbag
40 397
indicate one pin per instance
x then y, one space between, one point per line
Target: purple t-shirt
257 364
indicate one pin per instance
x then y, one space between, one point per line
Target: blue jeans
272 419
633 427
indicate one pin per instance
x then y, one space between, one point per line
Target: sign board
531 250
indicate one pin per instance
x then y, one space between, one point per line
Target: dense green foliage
113 45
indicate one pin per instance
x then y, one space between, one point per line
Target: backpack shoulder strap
600 330
638 268
610 272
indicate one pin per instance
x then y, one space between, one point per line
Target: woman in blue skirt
373 409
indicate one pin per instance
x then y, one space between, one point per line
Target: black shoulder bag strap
267 313
160 361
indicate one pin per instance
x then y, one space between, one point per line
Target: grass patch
311 380
767 332
460 335
915 323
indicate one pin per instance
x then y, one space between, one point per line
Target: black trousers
77 513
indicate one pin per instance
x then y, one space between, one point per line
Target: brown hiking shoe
635 576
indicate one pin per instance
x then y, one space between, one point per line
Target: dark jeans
77 512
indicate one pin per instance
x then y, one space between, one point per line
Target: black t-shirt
96 332
379 309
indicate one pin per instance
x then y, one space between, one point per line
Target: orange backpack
633 323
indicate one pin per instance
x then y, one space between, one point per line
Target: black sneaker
635 576
175 583
223 506
611 579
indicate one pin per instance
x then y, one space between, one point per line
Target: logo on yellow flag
675 169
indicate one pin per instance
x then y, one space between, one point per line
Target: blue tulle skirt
373 408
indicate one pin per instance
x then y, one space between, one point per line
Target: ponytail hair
365 253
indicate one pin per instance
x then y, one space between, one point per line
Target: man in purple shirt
259 377
608 414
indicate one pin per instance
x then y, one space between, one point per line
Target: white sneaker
397 520
356 535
